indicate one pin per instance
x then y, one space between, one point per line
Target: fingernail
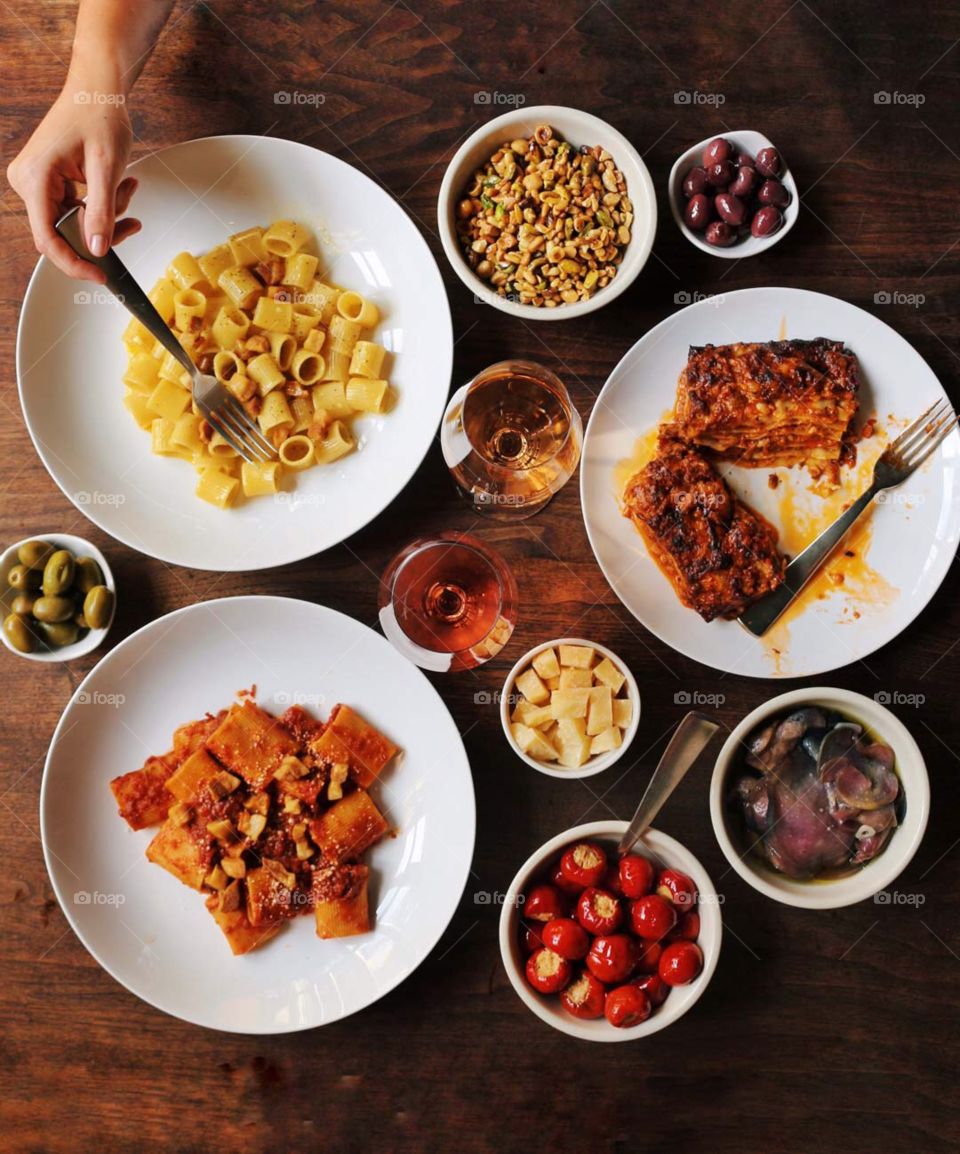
98 246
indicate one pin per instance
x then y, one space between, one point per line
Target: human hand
77 142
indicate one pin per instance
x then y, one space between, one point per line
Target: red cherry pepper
564 885
543 903
654 987
626 1006
677 888
636 875
652 917
649 957
599 911
547 972
584 864
612 957
567 938
687 928
584 996
680 963
530 938
611 881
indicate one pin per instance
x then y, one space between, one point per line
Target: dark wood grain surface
819 1030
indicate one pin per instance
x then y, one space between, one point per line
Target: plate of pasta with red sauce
726 440
309 294
264 857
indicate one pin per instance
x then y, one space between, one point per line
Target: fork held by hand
216 403
901 458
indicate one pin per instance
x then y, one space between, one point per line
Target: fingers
125 190
102 171
125 228
43 210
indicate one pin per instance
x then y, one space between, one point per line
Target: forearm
113 41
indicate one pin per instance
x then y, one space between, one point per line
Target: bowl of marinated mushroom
547 213
58 597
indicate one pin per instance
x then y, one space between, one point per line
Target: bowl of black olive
58 597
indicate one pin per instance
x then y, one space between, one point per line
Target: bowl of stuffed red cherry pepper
610 948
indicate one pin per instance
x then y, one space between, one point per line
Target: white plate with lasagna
840 386
108 413
304 815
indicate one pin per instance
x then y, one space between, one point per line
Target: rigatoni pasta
256 311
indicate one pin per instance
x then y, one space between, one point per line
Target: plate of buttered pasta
253 835
308 293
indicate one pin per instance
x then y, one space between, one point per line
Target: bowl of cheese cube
570 708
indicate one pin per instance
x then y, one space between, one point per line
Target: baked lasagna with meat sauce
775 403
717 553
266 816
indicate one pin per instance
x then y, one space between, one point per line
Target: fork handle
121 283
760 616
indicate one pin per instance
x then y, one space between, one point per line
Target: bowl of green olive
58 597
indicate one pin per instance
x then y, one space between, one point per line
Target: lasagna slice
777 403
718 554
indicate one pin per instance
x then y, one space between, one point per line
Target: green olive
23 604
22 578
34 554
80 621
59 633
87 575
98 606
18 633
53 609
58 573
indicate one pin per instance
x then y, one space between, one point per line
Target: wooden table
818 1030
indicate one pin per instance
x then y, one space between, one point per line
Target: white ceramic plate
70 360
902 551
152 933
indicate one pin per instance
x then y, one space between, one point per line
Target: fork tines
920 439
235 426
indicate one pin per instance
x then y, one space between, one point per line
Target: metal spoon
689 739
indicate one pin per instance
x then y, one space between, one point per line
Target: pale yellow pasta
184 271
300 270
297 353
296 452
168 400
285 237
365 395
343 333
142 373
353 307
323 297
247 247
307 367
230 326
273 315
305 321
282 348
240 285
259 478
275 412
336 443
331 398
188 305
217 487
161 297
367 359
226 365
265 372
301 409
216 261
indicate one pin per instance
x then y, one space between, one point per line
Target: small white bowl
743 140
876 875
667 852
597 763
579 128
79 548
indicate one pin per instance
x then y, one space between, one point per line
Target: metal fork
896 463
216 403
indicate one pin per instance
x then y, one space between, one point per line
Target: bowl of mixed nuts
547 213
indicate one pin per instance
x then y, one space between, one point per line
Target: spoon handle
689 738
